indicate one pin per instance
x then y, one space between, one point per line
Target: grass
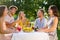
58 32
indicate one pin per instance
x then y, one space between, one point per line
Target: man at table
9 18
41 21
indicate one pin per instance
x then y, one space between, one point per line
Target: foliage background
30 7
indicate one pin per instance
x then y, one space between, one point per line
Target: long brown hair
54 9
2 8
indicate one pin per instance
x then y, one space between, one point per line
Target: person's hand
16 31
33 28
40 30
17 21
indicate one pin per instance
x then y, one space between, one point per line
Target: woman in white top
3 28
51 26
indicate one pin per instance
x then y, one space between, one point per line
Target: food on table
19 28
27 29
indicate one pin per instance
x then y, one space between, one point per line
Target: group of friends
7 22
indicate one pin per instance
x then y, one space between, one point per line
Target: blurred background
30 8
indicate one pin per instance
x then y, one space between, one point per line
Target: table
30 36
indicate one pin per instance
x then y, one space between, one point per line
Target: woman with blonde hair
23 20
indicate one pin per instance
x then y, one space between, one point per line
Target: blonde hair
20 14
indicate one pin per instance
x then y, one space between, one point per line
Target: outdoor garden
30 8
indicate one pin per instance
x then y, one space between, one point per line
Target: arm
5 30
8 24
12 24
17 21
53 27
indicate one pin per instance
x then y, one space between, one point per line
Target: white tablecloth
30 36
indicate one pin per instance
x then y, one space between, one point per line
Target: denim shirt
40 23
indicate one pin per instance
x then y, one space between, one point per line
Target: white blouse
49 24
9 19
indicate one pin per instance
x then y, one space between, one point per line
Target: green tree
31 6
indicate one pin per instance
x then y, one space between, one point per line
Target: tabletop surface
30 36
